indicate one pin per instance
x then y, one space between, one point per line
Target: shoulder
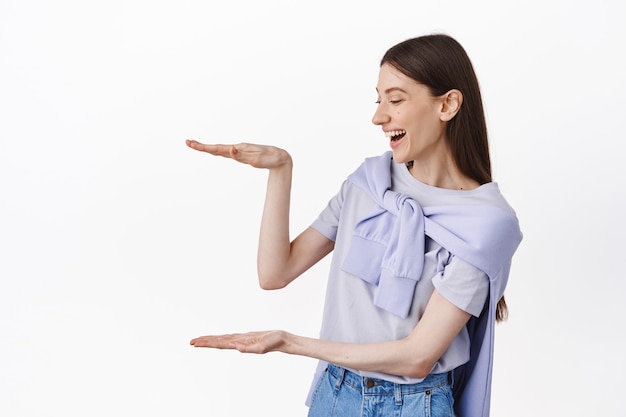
372 166
489 194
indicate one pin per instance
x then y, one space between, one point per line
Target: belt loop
397 390
340 377
451 378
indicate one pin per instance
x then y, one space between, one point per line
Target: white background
118 244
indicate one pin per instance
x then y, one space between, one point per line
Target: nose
381 116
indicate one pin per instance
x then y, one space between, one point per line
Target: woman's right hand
258 156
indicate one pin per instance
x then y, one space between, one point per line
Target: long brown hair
440 63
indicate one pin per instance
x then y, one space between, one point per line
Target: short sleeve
464 285
328 220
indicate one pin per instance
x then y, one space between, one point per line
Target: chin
399 158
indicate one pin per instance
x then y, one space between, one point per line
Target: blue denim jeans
342 393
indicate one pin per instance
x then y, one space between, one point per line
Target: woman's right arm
279 260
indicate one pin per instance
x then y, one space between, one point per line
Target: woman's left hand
252 342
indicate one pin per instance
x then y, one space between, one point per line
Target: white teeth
392 133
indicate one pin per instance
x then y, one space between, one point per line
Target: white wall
118 244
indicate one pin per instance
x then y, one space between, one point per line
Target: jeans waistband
381 386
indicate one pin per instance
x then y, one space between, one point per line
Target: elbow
419 368
270 282
269 285
418 371
418 360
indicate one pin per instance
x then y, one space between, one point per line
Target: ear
450 104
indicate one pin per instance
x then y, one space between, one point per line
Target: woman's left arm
412 356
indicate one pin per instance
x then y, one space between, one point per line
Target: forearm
400 357
274 240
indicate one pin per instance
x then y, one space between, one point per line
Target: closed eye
390 101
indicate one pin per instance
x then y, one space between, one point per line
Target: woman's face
410 117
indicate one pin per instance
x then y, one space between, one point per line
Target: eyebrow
392 89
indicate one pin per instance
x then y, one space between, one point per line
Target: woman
422 243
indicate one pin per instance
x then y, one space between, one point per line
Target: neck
442 173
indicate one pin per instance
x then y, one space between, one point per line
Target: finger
216 342
226 151
217 150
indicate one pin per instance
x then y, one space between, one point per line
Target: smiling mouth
395 135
